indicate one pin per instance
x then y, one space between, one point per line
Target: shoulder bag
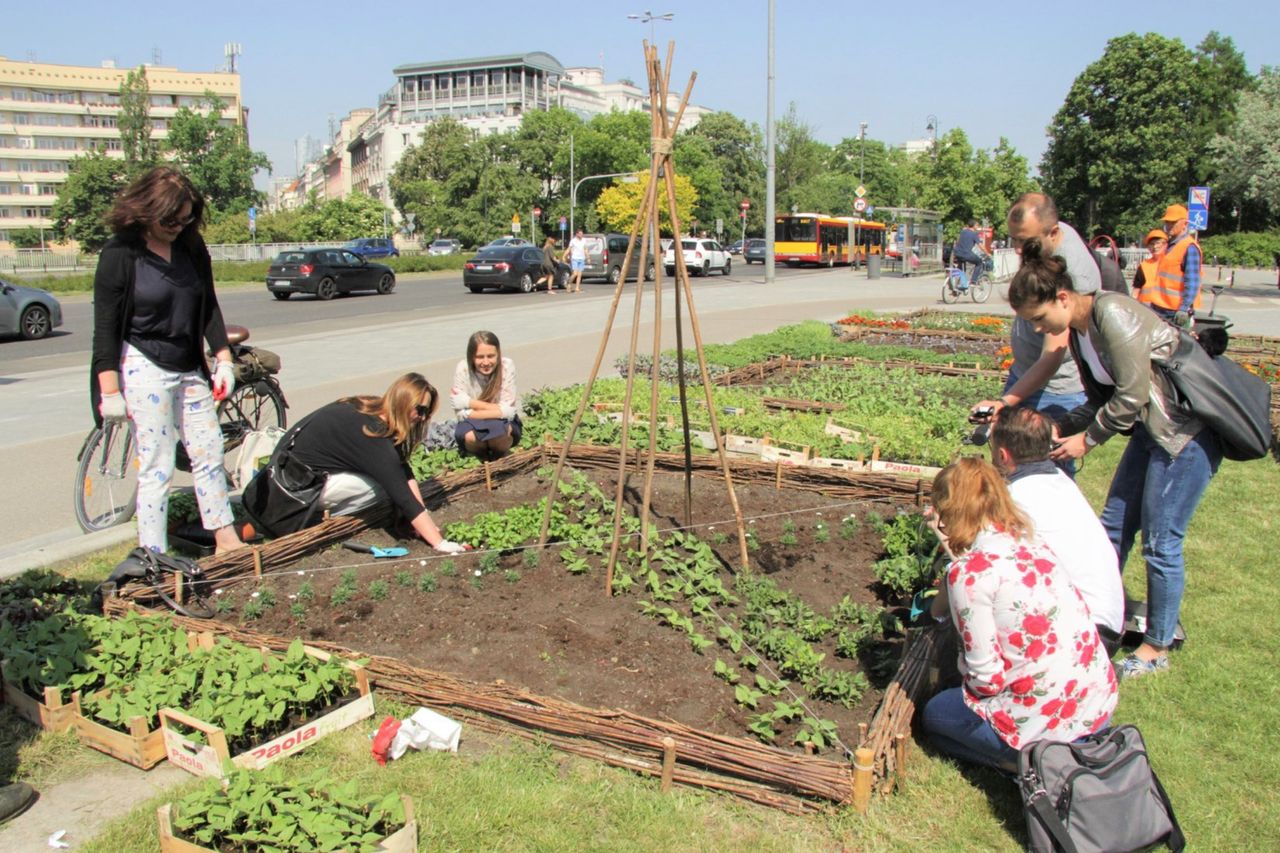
1230 400
283 497
1097 794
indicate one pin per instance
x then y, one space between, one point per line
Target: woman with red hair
1032 663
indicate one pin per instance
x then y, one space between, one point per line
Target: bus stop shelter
918 238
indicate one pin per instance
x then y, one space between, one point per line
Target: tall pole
573 186
769 168
862 152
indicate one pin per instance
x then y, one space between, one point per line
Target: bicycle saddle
236 334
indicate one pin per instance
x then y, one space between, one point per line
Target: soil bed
540 627
937 342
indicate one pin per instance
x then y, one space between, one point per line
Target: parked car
507 240
444 247
755 251
373 247
701 256
605 253
27 311
326 273
509 268
735 248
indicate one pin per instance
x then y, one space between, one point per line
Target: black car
326 273
755 251
508 268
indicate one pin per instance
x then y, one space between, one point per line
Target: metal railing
28 261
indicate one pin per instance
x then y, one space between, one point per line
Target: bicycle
958 283
106 486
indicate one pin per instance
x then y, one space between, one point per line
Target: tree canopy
215 156
80 210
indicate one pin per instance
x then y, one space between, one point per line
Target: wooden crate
922 471
743 445
838 464
403 840
795 455
209 759
51 714
845 434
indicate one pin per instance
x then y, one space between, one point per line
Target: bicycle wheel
950 294
106 477
252 406
980 289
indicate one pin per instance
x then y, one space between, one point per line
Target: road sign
564 224
537 212
871 208
746 205
859 204
1198 208
253 220
860 191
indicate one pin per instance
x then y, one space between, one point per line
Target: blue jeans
1054 406
1157 494
956 730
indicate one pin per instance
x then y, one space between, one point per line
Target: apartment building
51 114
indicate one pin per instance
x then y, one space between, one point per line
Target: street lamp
648 17
862 151
627 178
932 129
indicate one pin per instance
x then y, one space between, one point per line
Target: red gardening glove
382 740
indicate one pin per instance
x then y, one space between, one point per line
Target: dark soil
933 343
557 633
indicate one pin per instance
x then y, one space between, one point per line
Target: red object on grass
382 740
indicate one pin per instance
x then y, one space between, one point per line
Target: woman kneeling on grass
1033 666
485 399
1171 455
362 444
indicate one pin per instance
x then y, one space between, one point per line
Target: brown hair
1023 432
156 195
969 495
494 386
1039 279
395 410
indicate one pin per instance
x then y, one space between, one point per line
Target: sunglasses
424 412
176 222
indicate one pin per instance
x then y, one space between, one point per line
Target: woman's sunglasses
423 411
176 222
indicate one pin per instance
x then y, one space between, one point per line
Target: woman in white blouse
485 399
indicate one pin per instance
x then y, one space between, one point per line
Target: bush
1243 249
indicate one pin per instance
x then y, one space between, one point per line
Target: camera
981 415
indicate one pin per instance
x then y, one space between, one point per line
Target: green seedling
267 597
404 578
341 595
511 576
426 582
298 610
448 569
744 695
252 609
531 558
378 590
306 592
726 672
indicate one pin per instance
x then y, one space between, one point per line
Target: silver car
444 247
27 311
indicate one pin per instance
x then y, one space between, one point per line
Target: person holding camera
153 303
1031 661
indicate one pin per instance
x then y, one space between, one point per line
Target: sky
996 70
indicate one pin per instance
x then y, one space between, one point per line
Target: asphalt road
359 344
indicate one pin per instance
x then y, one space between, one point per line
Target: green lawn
1210 724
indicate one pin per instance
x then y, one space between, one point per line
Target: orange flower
1006 364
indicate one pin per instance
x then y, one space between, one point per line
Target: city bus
815 238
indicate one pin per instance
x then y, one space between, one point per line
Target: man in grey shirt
1044 375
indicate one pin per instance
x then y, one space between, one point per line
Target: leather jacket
1131 340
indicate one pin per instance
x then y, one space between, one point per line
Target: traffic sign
1198 208
564 224
871 208
537 212
745 204
860 191
859 204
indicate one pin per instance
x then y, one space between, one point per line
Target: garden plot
684 639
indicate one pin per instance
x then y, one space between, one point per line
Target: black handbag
1230 400
283 497
1097 794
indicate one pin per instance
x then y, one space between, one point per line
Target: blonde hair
969 495
395 410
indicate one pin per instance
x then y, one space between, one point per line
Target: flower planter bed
604 646
771 371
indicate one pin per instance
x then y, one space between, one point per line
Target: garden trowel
361 548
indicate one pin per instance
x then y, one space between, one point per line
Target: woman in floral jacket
1033 666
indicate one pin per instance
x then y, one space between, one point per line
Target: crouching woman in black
363 444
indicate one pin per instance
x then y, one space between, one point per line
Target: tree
618 205
27 238
79 212
1131 135
357 215
216 157
141 151
797 157
1248 156
736 156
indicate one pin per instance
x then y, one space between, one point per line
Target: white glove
111 407
451 548
459 401
224 380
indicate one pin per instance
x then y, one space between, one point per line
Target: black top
335 441
165 325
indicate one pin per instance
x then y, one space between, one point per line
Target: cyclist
968 250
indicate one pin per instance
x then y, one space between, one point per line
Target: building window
162 100
18 94
39 97
46 120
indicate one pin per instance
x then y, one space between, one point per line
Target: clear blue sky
994 69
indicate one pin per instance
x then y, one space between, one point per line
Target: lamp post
932 129
647 17
627 178
862 152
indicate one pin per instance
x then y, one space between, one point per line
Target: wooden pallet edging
52 714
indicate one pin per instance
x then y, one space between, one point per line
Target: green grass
1210 724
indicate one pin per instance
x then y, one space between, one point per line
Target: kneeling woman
485 399
363 444
1032 663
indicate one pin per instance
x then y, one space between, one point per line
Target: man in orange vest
1156 243
1175 294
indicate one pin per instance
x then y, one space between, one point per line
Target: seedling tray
51 714
210 759
403 840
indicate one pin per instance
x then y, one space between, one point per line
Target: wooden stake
177 587
900 762
777 475
862 767
862 734
488 476
668 763
257 562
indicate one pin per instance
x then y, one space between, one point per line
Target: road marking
1248 300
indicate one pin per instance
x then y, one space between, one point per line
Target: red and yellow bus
815 238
